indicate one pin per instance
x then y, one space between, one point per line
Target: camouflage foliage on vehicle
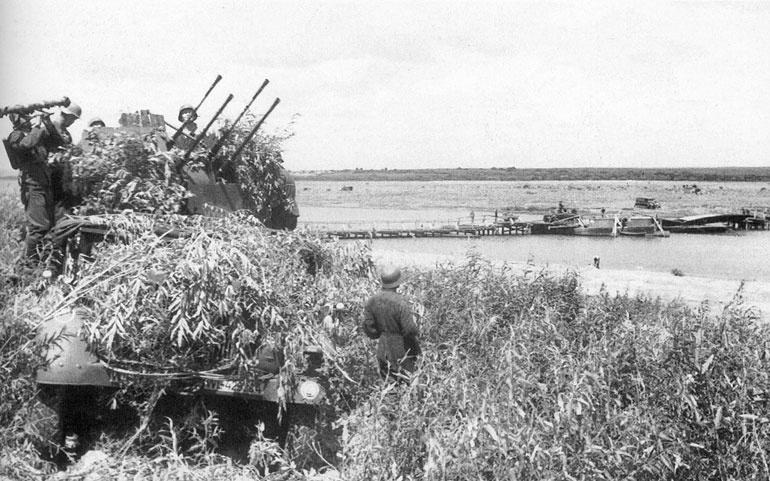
124 172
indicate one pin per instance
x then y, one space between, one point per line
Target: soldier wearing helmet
188 116
96 122
42 192
388 318
96 131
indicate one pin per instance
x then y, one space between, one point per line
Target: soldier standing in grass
42 192
388 317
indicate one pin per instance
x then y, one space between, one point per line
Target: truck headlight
309 389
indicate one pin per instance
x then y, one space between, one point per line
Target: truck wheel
70 418
310 439
43 427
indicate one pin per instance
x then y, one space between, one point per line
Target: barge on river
709 223
637 226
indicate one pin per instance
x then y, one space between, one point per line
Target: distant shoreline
711 174
715 174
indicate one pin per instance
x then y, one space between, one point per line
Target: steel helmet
96 120
390 277
17 119
187 107
73 109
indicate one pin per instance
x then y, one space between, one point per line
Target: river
741 255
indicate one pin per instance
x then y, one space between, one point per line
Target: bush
123 171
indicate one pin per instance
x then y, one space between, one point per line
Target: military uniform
188 133
186 138
388 317
42 191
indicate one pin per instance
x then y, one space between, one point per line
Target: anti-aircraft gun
72 373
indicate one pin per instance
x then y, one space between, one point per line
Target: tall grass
522 377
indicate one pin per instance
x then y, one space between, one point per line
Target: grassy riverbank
524 376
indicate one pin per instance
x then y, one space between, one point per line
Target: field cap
390 277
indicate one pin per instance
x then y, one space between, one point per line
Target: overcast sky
406 84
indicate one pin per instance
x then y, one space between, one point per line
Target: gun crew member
96 122
188 116
41 184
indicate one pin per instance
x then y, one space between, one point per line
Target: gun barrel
224 137
251 134
216 81
28 109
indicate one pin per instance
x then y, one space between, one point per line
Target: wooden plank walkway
482 226
446 230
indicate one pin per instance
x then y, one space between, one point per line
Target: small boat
642 225
579 226
598 226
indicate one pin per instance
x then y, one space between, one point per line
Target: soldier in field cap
388 318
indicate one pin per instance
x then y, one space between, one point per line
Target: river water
743 255
735 255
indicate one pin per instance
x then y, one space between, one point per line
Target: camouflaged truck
76 384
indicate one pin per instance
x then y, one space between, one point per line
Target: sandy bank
668 287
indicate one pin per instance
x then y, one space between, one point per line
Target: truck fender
68 360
